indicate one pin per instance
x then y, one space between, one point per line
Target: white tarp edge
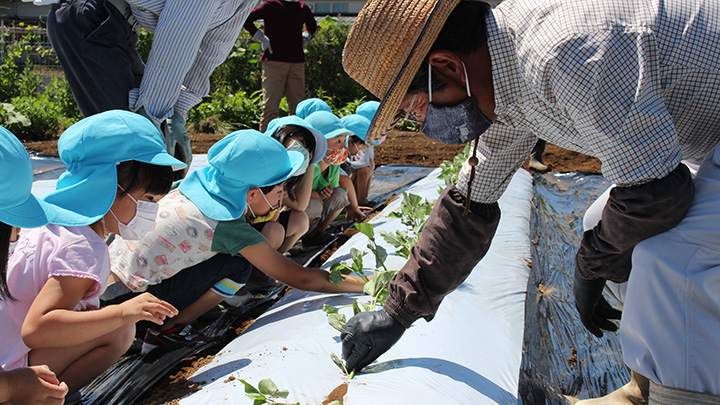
469 354
43 187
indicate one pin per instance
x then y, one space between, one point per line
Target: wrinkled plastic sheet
469 354
560 356
387 180
46 166
131 376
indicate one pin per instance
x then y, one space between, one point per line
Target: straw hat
385 47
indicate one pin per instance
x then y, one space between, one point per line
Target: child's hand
146 307
32 385
354 214
326 192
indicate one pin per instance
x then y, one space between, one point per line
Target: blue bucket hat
91 149
368 109
311 105
327 123
357 124
320 142
238 162
18 206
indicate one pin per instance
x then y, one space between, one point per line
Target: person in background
361 162
536 157
19 208
203 247
311 105
332 192
95 44
57 272
283 59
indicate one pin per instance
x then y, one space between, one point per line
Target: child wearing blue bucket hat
19 208
311 105
333 191
296 134
361 164
117 168
203 246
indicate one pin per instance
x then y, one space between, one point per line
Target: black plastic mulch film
560 357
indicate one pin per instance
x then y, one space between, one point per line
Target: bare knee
298 224
274 233
121 339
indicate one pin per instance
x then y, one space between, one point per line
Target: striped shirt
633 83
191 39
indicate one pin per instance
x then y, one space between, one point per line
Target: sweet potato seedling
413 213
340 364
266 393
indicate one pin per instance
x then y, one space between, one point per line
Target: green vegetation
413 214
36 102
266 393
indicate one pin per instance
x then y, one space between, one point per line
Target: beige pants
281 79
660 395
317 211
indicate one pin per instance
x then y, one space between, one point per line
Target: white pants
670 329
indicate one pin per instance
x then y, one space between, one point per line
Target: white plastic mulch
469 354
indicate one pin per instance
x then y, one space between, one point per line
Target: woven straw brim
385 47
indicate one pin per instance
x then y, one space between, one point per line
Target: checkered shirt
633 83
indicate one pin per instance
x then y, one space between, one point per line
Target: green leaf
366 229
337 361
267 387
335 402
260 401
341 267
356 308
382 279
337 321
369 288
249 389
382 296
281 394
335 276
330 309
357 254
368 307
380 256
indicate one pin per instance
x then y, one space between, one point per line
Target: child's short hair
356 139
287 131
134 175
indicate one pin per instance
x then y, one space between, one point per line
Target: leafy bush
236 110
241 70
324 73
50 112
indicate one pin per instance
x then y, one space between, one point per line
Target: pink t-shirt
41 253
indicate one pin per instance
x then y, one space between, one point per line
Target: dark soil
410 148
400 148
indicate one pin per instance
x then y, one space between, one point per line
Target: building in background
22 10
348 7
25 10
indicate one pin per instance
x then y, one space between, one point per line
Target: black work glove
367 335
595 312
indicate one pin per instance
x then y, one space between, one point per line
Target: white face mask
142 222
11 248
296 146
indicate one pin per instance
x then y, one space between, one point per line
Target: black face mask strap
473 162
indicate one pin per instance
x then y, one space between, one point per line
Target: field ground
410 148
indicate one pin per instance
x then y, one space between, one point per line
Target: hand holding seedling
367 335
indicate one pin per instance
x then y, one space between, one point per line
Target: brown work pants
281 79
